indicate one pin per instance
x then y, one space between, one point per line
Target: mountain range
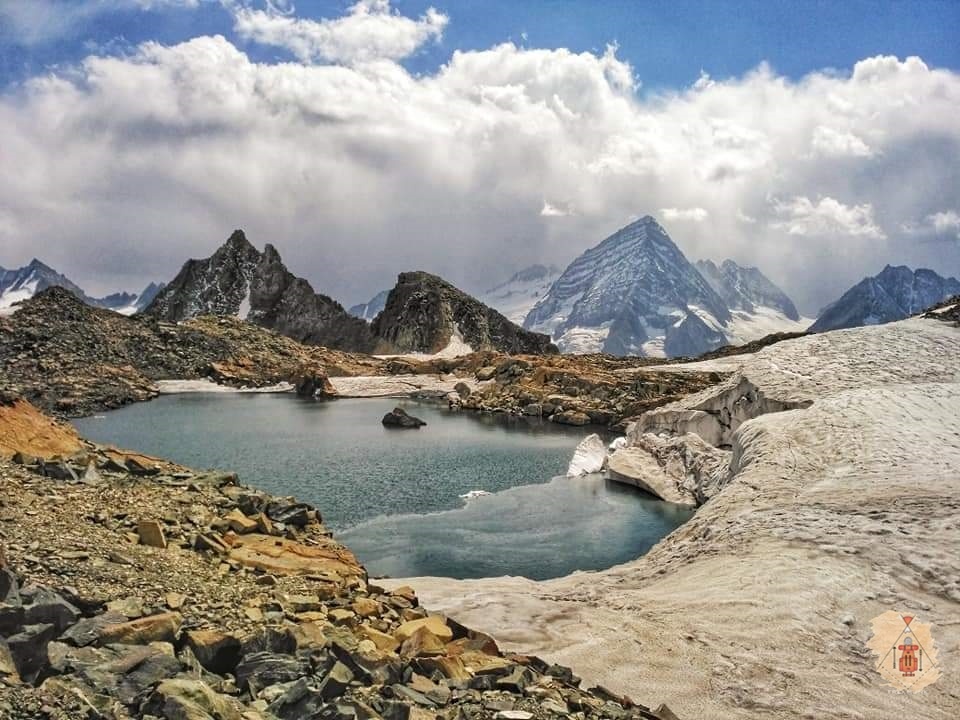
892 294
635 293
25 282
422 314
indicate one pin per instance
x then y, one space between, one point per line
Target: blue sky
667 42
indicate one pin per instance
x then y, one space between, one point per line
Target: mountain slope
757 306
23 283
894 293
238 280
516 297
746 288
633 294
370 309
426 314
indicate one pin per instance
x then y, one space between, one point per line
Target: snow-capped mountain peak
634 293
23 283
895 293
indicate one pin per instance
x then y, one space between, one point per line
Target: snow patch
244 310
173 387
456 347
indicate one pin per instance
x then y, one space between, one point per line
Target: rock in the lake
315 384
398 417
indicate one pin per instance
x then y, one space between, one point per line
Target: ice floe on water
589 457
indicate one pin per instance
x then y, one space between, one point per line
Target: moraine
395 497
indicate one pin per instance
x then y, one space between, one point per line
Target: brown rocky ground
132 588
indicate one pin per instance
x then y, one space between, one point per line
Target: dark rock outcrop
238 280
424 312
399 418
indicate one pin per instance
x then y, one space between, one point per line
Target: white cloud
558 210
834 143
358 170
370 31
826 218
946 222
694 214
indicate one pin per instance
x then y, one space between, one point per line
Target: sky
818 141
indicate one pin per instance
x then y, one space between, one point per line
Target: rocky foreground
134 588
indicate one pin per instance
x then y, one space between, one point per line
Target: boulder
217 651
163 627
289 513
260 670
486 373
399 418
184 699
48 607
315 384
434 623
462 389
240 523
28 649
571 417
151 533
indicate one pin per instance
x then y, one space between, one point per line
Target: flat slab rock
280 556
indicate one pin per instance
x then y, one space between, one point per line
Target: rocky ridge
240 281
895 293
23 283
424 313
133 588
72 359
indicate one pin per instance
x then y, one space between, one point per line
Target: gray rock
259 670
48 607
28 648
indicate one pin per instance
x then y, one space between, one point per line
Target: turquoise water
394 495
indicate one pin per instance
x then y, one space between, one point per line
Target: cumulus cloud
694 214
357 169
826 218
370 31
945 223
834 143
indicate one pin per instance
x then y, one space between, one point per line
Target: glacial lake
394 496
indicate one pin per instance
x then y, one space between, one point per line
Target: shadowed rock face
745 288
423 312
241 281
